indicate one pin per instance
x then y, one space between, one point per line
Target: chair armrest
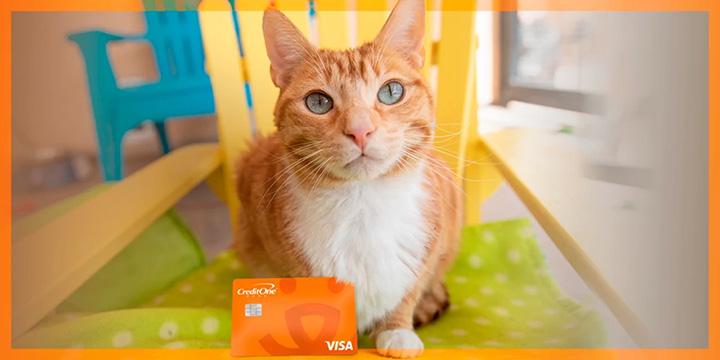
99 37
93 46
51 262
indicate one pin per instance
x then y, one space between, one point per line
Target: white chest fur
369 233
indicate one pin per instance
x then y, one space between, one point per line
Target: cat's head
360 113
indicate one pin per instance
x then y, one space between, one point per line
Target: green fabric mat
166 251
501 295
139 271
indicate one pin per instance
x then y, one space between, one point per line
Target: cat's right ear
285 44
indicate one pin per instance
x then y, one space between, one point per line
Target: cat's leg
394 336
435 300
433 303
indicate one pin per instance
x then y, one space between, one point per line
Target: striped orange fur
355 192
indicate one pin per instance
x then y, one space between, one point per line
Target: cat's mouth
369 164
363 166
361 159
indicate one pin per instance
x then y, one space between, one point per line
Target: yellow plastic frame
51 262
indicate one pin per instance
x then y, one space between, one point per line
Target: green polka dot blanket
501 296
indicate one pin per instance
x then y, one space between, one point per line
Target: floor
209 220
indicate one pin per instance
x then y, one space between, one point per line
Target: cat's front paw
399 343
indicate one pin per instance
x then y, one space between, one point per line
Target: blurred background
626 96
55 146
627 90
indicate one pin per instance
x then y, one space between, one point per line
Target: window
551 59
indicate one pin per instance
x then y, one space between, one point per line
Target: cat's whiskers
420 157
436 136
464 178
465 161
269 190
285 182
432 140
451 179
289 168
437 129
284 156
321 169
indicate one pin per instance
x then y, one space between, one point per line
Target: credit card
293 316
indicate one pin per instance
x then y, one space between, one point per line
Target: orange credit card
293 316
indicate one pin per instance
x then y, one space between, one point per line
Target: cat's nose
360 133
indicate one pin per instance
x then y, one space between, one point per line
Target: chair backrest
173 29
450 44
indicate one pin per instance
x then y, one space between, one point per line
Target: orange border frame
712 7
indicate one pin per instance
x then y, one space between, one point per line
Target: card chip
253 310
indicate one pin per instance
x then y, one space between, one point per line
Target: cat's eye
391 92
318 103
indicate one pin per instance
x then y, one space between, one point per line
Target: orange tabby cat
348 186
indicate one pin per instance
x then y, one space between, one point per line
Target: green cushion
137 328
501 295
137 272
162 254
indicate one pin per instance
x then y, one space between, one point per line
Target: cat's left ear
404 31
286 46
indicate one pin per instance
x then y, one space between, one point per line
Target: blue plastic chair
182 89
